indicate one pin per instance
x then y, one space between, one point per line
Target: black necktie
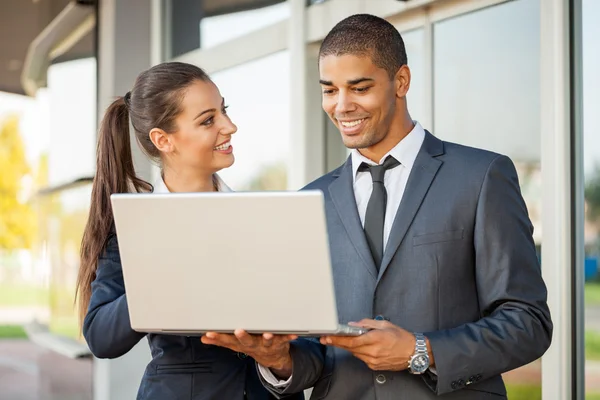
375 216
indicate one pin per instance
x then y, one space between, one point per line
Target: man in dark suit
431 247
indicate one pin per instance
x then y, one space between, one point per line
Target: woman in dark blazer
180 121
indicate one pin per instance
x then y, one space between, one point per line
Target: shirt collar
161 187
405 151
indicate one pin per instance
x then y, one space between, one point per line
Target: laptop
199 262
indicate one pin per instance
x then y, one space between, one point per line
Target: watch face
419 363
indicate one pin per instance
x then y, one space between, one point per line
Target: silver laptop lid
219 261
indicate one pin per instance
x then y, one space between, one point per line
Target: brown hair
154 102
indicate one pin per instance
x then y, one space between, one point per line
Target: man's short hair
367 35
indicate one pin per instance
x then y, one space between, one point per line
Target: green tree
592 196
17 219
41 174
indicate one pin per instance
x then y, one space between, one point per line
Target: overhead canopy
220 7
21 22
38 33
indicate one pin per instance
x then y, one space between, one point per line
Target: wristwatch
419 362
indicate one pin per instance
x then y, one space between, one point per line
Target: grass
22 295
534 392
592 345
63 320
12 332
524 392
592 294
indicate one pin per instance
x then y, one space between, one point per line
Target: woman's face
202 141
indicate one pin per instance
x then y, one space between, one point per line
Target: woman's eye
208 122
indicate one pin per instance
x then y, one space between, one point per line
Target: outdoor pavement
29 372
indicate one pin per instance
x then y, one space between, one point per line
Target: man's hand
270 351
386 347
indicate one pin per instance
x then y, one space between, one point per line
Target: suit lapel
422 174
342 195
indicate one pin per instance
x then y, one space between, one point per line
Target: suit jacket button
380 379
453 385
242 356
381 318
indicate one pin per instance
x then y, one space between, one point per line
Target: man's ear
402 80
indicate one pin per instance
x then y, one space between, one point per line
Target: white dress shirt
395 180
161 187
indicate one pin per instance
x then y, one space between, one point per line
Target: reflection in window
72 113
258 95
59 135
413 42
591 162
486 74
487 95
222 28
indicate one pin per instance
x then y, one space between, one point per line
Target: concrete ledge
65 346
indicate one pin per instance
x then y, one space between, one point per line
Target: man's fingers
338 342
371 324
222 340
351 341
244 338
346 341
358 350
219 337
270 339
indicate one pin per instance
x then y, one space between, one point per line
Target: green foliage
592 196
17 218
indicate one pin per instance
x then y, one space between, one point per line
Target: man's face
359 97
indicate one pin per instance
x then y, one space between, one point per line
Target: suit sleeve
106 326
308 359
515 327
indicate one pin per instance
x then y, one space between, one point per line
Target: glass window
414 42
487 95
72 117
63 214
258 95
486 74
194 24
591 162
222 28
58 131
